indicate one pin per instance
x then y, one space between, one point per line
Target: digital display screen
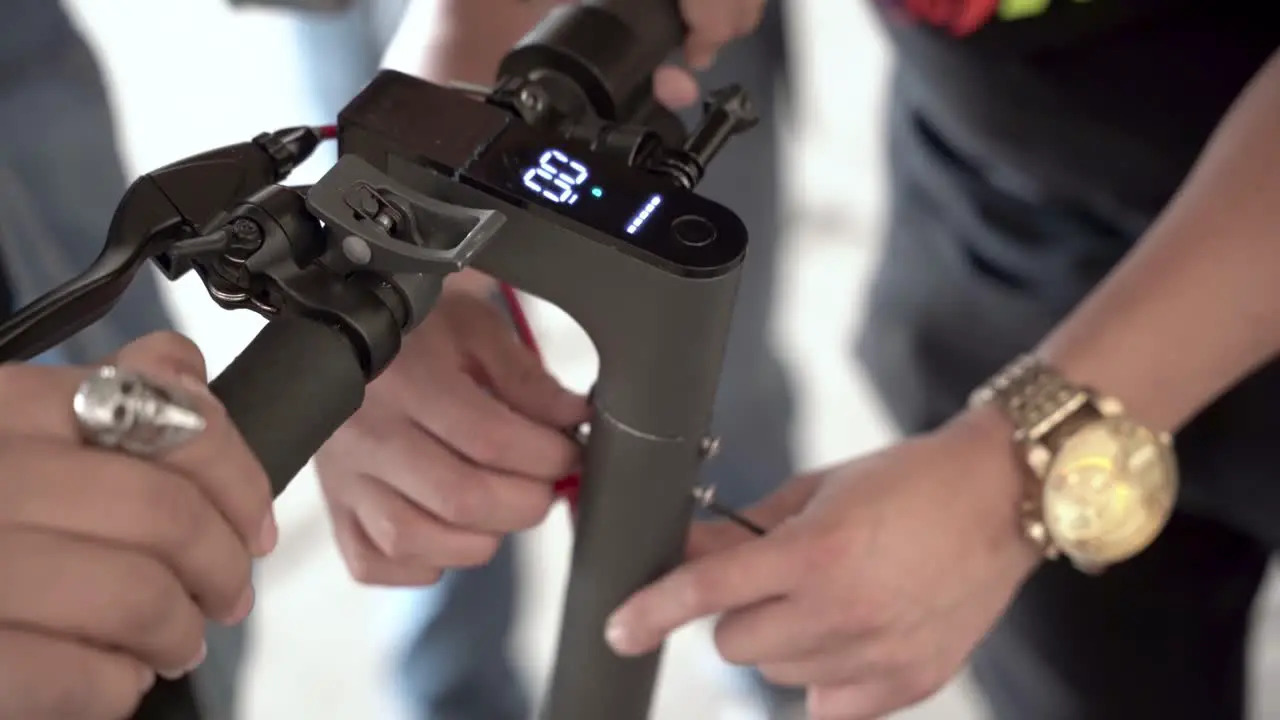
571 193
564 180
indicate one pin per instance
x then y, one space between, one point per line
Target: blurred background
194 74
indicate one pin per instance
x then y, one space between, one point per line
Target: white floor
191 75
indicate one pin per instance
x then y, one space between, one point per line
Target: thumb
517 376
718 535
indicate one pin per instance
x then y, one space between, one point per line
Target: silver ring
121 410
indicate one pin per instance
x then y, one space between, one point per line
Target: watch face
1109 491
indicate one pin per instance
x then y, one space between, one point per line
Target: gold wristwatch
1104 486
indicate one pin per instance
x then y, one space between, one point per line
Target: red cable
568 486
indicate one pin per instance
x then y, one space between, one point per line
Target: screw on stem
705 497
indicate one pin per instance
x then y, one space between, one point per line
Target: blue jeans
60 171
453 659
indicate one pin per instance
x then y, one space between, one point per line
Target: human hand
878 579
111 563
712 25
458 443
468 38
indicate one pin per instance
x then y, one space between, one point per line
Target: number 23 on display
556 177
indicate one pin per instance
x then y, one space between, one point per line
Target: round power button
693 230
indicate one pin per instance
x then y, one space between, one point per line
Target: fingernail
618 636
146 679
269 535
244 606
204 652
179 674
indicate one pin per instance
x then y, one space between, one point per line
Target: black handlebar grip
607 48
291 388
289 391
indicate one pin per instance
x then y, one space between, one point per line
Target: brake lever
69 308
159 211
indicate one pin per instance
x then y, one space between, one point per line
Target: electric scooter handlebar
565 180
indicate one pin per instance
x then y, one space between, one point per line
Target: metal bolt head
704 495
710 446
245 239
530 98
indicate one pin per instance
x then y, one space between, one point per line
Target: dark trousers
974 271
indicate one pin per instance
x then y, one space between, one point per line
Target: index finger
217 459
43 395
490 434
739 576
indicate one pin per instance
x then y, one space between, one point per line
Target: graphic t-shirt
1109 99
